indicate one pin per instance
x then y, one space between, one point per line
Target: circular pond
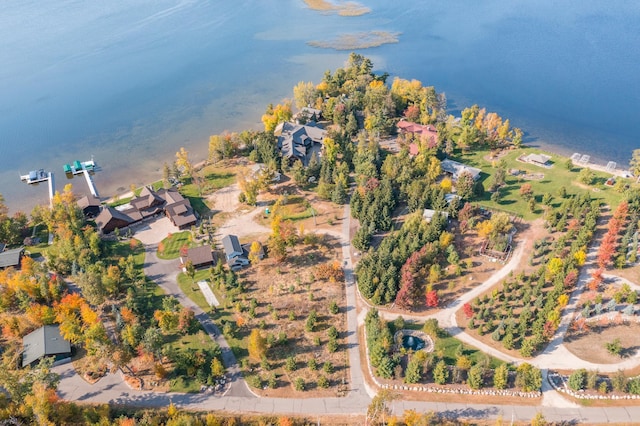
414 340
413 343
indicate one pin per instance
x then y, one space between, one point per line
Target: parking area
154 231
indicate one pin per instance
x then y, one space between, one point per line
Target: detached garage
45 342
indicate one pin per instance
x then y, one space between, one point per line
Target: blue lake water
131 81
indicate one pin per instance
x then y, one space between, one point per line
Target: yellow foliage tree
257 345
446 185
276 115
581 257
485 228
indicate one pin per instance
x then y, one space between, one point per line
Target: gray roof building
43 342
455 169
232 247
11 258
298 142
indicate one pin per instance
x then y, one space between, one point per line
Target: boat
35 176
66 168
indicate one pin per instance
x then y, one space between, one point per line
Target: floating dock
35 176
78 167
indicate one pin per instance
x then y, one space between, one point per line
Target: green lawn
213 178
448 346
220 314
554 178
189 343
173 243
191 289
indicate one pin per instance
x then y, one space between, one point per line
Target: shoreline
116 184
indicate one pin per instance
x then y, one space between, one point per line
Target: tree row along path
239 399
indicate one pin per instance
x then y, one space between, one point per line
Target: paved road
241 399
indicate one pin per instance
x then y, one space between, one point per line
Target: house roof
428 214
11 257
147 198
88 201
200 255
295 139
429 132
181 213
537 158
171 195
110 215
456 169
43 342
231 245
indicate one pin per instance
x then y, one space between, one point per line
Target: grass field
220 314
212 179
555 177
173 243
189 343
447 346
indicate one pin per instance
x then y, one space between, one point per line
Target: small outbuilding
538 159
90 206
429 214
45 342
11 258
200 257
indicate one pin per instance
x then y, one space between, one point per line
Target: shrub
619 382
255 381
312 364
578 379
327 367
528 377
475 379
441 373
290 364
501 376
332 345
633 386
299 384
323 382
333 307
614 347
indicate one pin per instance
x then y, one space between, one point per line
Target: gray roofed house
11 258
298 142
455 169
43 342
308 114
232 247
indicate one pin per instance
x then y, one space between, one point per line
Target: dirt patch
590 345
285 294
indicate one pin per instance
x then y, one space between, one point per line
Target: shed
11 258
539 159
44 342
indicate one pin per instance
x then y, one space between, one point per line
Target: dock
90 183
52 189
